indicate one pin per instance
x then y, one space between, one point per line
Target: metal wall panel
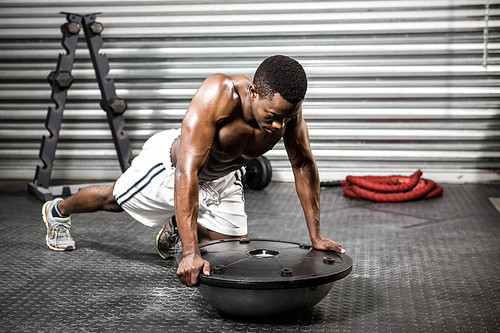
395 86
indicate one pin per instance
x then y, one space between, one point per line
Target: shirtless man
195 173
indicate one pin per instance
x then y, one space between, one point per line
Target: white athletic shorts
146 191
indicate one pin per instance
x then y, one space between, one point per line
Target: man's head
283 75
279 87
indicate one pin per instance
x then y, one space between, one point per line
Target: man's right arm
197 134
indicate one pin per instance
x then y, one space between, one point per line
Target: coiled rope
394 188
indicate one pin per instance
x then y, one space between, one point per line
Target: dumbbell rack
61 80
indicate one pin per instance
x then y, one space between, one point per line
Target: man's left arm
305 172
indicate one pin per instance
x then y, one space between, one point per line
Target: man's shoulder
228 83
218 86
219 95
227 89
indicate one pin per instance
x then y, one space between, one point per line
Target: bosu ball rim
227 274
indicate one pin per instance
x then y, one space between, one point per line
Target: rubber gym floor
421 266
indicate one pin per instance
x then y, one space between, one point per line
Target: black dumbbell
258 173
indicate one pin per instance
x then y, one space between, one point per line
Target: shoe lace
173 238
61 230
169 238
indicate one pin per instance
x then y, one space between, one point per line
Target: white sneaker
58 228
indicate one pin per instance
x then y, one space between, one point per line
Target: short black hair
283 75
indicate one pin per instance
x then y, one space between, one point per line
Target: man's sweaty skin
226 126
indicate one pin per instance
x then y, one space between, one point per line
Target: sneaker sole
44 217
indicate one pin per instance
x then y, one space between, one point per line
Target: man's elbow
305 167
184 174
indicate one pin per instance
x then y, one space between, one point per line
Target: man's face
272 114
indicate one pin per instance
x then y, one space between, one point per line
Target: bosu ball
261 277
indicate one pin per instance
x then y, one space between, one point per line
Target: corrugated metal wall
394 85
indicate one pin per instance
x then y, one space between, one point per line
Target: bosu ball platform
261 277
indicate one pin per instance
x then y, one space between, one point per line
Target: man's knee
108 199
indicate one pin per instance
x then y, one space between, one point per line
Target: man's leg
56 214
205 235
167 240
90 199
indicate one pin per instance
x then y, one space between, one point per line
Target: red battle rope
394 188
